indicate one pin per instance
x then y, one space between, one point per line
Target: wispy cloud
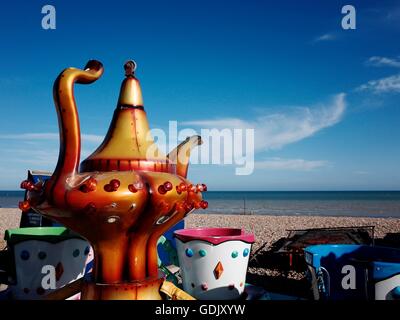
389 84
383 85
393 15
48 136
361 173
290 164
45 157
275 130
378 61
92 138
38 150
325 37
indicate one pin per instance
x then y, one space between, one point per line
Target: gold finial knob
131 93
130 67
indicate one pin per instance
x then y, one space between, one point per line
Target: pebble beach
267 229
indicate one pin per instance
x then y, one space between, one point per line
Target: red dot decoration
181 188
197 205
180 207
161 189
189 206
89 185
204 286
203 204
132 188
168 186
112 186
24 206
115 184
27 185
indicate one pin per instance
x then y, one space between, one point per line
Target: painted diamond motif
59 271
218 270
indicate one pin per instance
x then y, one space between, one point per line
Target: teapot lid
128 144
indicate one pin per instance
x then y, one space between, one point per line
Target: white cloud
30 136
290 164
361 173
45 157
92 138
377 61
383 85
48 136
273 131
39 150
325 37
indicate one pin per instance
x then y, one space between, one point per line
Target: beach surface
267 229
277 277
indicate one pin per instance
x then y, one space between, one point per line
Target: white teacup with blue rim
213 261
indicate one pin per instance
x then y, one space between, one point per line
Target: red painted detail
168 186
59 271
181 188
27 185
115 184
188 206
161 189
138 185
24 205
180 207
203 204
132 188
89 185
218 270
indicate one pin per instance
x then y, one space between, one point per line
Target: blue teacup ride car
357 272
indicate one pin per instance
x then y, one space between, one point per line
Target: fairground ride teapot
123 197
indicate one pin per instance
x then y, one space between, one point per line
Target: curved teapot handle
68 121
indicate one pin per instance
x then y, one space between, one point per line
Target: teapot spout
181 154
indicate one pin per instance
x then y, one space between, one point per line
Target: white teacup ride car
214 261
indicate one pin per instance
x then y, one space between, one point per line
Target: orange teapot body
125 195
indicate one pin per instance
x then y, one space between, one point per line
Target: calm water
331 203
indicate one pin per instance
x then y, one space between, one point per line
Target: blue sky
324 102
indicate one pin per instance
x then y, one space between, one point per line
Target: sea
382 204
